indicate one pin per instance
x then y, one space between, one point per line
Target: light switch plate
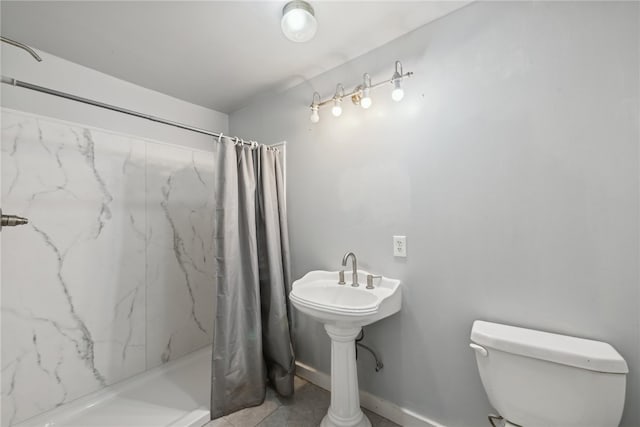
400 246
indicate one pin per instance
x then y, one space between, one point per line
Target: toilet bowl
534 378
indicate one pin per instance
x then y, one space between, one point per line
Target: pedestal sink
344 310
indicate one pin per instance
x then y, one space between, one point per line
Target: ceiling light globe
298 21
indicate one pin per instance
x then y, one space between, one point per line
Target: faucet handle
370 278
341 277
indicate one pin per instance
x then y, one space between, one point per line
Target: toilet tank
535 378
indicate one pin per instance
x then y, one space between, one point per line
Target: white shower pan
175 394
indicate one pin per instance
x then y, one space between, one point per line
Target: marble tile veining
116 224
180 268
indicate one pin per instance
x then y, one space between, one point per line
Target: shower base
175 394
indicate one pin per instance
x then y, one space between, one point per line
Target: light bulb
315 117
337 108
295 20
298 21
397 93
365 102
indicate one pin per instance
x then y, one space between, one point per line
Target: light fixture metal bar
359 88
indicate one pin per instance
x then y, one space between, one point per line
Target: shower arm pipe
42 89
22 46
358 89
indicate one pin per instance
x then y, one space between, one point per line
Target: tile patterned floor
305 409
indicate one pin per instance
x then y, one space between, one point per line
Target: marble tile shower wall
114 273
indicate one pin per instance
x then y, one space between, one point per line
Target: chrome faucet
345 258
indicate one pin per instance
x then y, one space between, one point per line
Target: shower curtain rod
34 87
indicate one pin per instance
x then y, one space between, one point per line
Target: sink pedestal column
345 398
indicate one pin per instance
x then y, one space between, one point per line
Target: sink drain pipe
360 337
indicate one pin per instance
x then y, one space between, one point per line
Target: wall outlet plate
400 246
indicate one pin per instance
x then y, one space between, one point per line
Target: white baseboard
384 408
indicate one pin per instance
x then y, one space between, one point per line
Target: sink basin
319 295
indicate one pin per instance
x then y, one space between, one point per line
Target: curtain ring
236 141
220 137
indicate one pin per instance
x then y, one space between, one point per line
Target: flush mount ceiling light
298 21
361 95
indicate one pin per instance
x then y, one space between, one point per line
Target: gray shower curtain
252 341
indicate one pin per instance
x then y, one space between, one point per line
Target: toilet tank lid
579 352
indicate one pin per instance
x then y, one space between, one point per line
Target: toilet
540 379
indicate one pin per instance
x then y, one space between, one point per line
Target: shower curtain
252 341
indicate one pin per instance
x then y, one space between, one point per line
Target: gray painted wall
62 75
512 167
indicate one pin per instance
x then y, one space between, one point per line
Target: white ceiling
218 54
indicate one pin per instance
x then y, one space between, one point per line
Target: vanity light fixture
337 100
361 95
365 102
315 105
298 21
397 93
